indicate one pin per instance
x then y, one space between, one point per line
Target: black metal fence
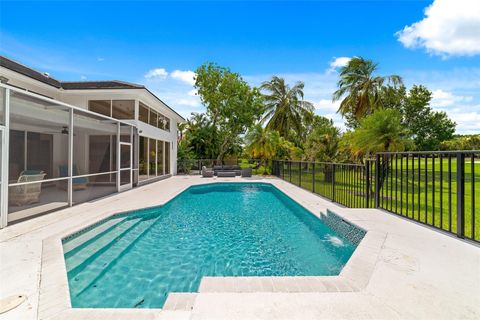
440 189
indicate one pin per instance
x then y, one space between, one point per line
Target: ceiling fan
63 131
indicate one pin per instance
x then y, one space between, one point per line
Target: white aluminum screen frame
71 108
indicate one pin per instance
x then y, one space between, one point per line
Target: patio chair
246 172
77 183
207 173
27 193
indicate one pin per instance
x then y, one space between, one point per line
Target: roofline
60 87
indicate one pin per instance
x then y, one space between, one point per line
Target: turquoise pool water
227 229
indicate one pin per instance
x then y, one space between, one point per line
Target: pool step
183 301
99 264
90 234
78 255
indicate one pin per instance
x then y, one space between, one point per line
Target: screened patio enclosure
55 155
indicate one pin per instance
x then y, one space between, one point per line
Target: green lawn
430 199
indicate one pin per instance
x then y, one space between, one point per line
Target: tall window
143 159
159 158
152 158
123 109
101 106
167 157
153 118
143 113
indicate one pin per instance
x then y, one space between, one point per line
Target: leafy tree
232 105
379 132
322 140
201 136
285 109
466 142
360 90
427 127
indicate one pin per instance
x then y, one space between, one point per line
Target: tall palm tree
262 143
285 109
360 89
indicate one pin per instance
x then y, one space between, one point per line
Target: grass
430 199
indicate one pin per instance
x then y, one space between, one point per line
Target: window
167 157
159 158
152 172
123 109
143 158
167 124
154 158
101 106
153 118
143 113
161 121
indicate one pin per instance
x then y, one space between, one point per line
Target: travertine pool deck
401 270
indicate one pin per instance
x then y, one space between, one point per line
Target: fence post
461 195
367 183
377 180
313 177
333 182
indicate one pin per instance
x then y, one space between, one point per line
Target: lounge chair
26 193
247 172
77 183
206 173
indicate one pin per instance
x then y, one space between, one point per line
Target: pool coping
54 298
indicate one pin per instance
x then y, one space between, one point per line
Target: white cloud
339 62
327 105
467 119
100 59
185 76
441 98
450 28
158 73
83 78
192 93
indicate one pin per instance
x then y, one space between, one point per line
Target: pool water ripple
223 229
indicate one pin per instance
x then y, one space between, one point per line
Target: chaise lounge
79 183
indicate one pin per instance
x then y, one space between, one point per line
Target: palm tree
285 109
360 89
379 132
262 143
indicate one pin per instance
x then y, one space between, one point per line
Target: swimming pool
134 260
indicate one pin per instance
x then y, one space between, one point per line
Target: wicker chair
206 173
26 193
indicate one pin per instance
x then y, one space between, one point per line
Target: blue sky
160 43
